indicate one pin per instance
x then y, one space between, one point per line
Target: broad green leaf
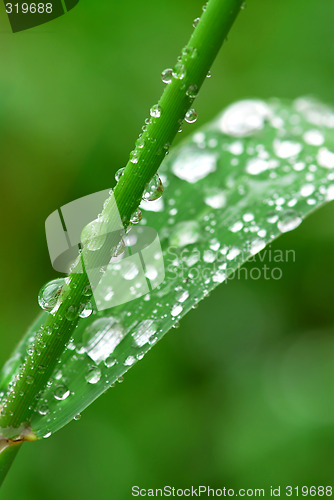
234 186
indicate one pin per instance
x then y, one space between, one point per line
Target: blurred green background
241 395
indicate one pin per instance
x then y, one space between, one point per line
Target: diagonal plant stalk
188 76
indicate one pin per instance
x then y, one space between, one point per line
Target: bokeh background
241 395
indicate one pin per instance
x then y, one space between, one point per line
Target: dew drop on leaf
49 294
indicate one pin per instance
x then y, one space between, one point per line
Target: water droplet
61 392
307 190
185 233
330 193
49 294
130 360
179 71
244 118
196 21
144 331
155 111
192 91
136 217
101 337
87 310
314 137
110 361
94 375
47 435
77 417
256 166
236 227
215 198
93 235
119 173
153 189
191 116
167 75
176 310
288 220
72 313
43 409
256 246
193 165
325 158
286 149
209 74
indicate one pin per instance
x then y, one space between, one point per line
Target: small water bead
119 173
192 91
72 313
94 375
47 435
49 294
286 149
288 220
215 198
136 217
184 233
87 291
191 116
182 297
307 190
130 360
61 392
325 158
196 21
110 361
314 137
93 235
176 310
193 165
256 246
77 417
179 71
330 193
153 189
155 111
233 253
236 227
101 338
244 118
209 74
134 155
43 409
86 311
209 256
167 76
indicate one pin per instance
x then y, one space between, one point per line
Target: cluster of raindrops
234 187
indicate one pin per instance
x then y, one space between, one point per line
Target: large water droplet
94 375
144 331
244 118
286 149
153 189
155 111
192 165
179 71
166 75
185 233
49 294
61 392
325 158
288 220
93 235
191 116
101 338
